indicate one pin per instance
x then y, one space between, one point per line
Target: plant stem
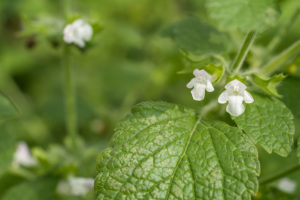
207 108
279 175
282 31
276 63
243 52
70 105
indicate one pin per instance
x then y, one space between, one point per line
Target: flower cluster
235 92
79 32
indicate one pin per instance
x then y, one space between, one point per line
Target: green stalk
243 52
70 105
276 63
282 32
279 175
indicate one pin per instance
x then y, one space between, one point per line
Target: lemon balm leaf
163 151
245 15
268 122
192 35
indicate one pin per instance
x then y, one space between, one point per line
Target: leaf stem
243 52
279 175
70 105
276 63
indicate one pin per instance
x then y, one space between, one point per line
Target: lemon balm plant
167 151
229 112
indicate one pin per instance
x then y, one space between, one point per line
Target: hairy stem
279 175
70 105
243 52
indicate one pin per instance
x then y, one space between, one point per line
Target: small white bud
75 186
287 185
22 157
79 32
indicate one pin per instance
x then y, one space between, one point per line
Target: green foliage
162 151
33 190
245 15
7 109
269 85
298 149
271 193
269 123
290 92
8 146
130 63
192 35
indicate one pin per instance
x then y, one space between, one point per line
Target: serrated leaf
245 15
7 108
8 145
162 151
192 35
267 84
290 92
33 190
268 122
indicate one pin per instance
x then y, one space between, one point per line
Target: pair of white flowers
235 92
78 33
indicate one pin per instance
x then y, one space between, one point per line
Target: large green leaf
162 151
33 190
192 35
268 122
246 15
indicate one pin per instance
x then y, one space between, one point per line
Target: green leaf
192 35
8 145
162 151
269 122
33 190
7 108
245 15
267 84
290 92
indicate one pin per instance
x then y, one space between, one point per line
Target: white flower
22 157
200 83
287 185
78 33
75 186
235 94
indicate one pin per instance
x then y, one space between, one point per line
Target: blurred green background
128 62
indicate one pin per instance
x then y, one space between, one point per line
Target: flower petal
235 105
191 83
198 92
236 84
209 86
247 97
223 97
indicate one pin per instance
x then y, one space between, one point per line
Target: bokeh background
128 62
